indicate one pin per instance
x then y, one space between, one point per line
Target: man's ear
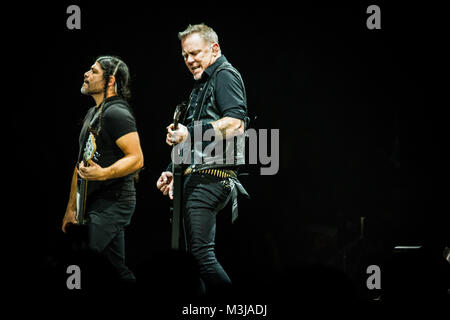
112 81
216 48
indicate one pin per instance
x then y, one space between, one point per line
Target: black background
360 132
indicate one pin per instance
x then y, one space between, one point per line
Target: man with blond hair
217 104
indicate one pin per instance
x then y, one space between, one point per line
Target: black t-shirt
117 120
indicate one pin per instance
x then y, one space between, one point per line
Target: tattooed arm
224 128
228 127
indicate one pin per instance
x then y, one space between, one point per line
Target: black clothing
229 92
110 203
219 93
107 219
116 121
204 196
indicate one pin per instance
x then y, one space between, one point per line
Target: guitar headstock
178 112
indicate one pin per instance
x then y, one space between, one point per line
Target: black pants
107 218
204 196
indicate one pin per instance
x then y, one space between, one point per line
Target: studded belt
221 173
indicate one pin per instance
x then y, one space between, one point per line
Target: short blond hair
207 33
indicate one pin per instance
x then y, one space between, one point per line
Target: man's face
93 80
198 54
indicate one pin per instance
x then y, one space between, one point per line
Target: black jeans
106 220
204 196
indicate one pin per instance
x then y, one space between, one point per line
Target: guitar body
81 201
89 152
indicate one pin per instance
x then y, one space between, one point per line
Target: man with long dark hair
217 105
111 199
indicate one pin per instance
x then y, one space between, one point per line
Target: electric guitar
177 184
89 153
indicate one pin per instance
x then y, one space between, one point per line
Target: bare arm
228 127
224 128
71 209
72 204
132 160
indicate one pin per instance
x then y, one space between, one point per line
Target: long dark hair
113 66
